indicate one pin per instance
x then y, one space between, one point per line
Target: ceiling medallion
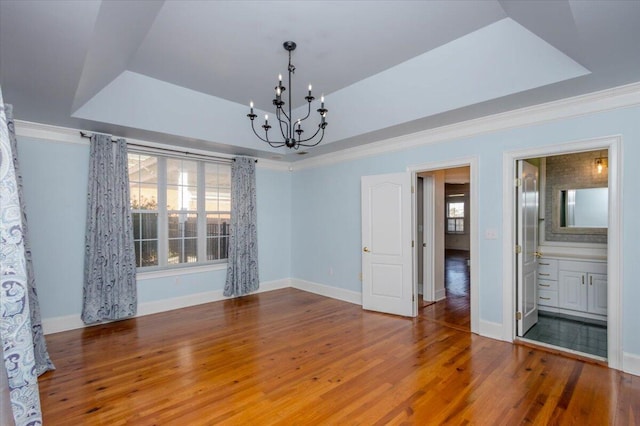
290 127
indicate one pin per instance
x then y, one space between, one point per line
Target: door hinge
518 316
413 189
518 249
412 243
518 182
413 297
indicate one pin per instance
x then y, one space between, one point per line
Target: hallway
454 311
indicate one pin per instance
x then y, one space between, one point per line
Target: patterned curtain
109 266
43 362
15 318
242 266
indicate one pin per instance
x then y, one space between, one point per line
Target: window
143 188
455 217
180 209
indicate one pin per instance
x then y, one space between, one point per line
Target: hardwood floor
454 311
294 358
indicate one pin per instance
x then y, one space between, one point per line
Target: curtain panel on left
15 318
43 362
109 267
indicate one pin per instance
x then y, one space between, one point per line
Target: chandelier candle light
288 126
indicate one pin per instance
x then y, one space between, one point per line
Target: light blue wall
326 204
274 224
55 188
309 220
55 192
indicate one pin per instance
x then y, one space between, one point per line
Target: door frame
472 163
614 245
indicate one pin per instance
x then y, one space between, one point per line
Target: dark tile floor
570 333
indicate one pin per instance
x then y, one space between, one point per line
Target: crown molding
604 100
29 129
591 103
279 166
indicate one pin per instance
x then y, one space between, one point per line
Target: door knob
366 250
537 253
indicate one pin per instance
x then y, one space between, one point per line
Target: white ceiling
183 72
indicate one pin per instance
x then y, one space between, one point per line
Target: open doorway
443 215
562 225
613 146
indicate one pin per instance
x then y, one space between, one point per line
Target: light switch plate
491 234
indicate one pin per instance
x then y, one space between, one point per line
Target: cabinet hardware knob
366 250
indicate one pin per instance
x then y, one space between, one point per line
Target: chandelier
290 127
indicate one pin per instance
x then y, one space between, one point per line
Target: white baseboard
441 294
71 322
164 305
63 323
493 330
631 363
328 291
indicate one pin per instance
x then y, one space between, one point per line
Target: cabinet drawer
547 298
547 269
548 285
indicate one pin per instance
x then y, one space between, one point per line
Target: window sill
182 270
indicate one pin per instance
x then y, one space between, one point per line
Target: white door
428 221
387 282
528 246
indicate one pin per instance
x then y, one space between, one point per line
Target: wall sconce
601 163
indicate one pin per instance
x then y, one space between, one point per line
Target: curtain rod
113 139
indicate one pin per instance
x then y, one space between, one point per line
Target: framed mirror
580 210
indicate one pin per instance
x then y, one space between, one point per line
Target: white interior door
428 221
528 242
387 282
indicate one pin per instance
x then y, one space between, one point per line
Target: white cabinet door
572 290
597 294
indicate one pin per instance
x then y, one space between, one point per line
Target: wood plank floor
294 358
454 310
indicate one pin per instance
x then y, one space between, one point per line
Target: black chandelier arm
302 143
283 112
281 121
273 144
308 112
